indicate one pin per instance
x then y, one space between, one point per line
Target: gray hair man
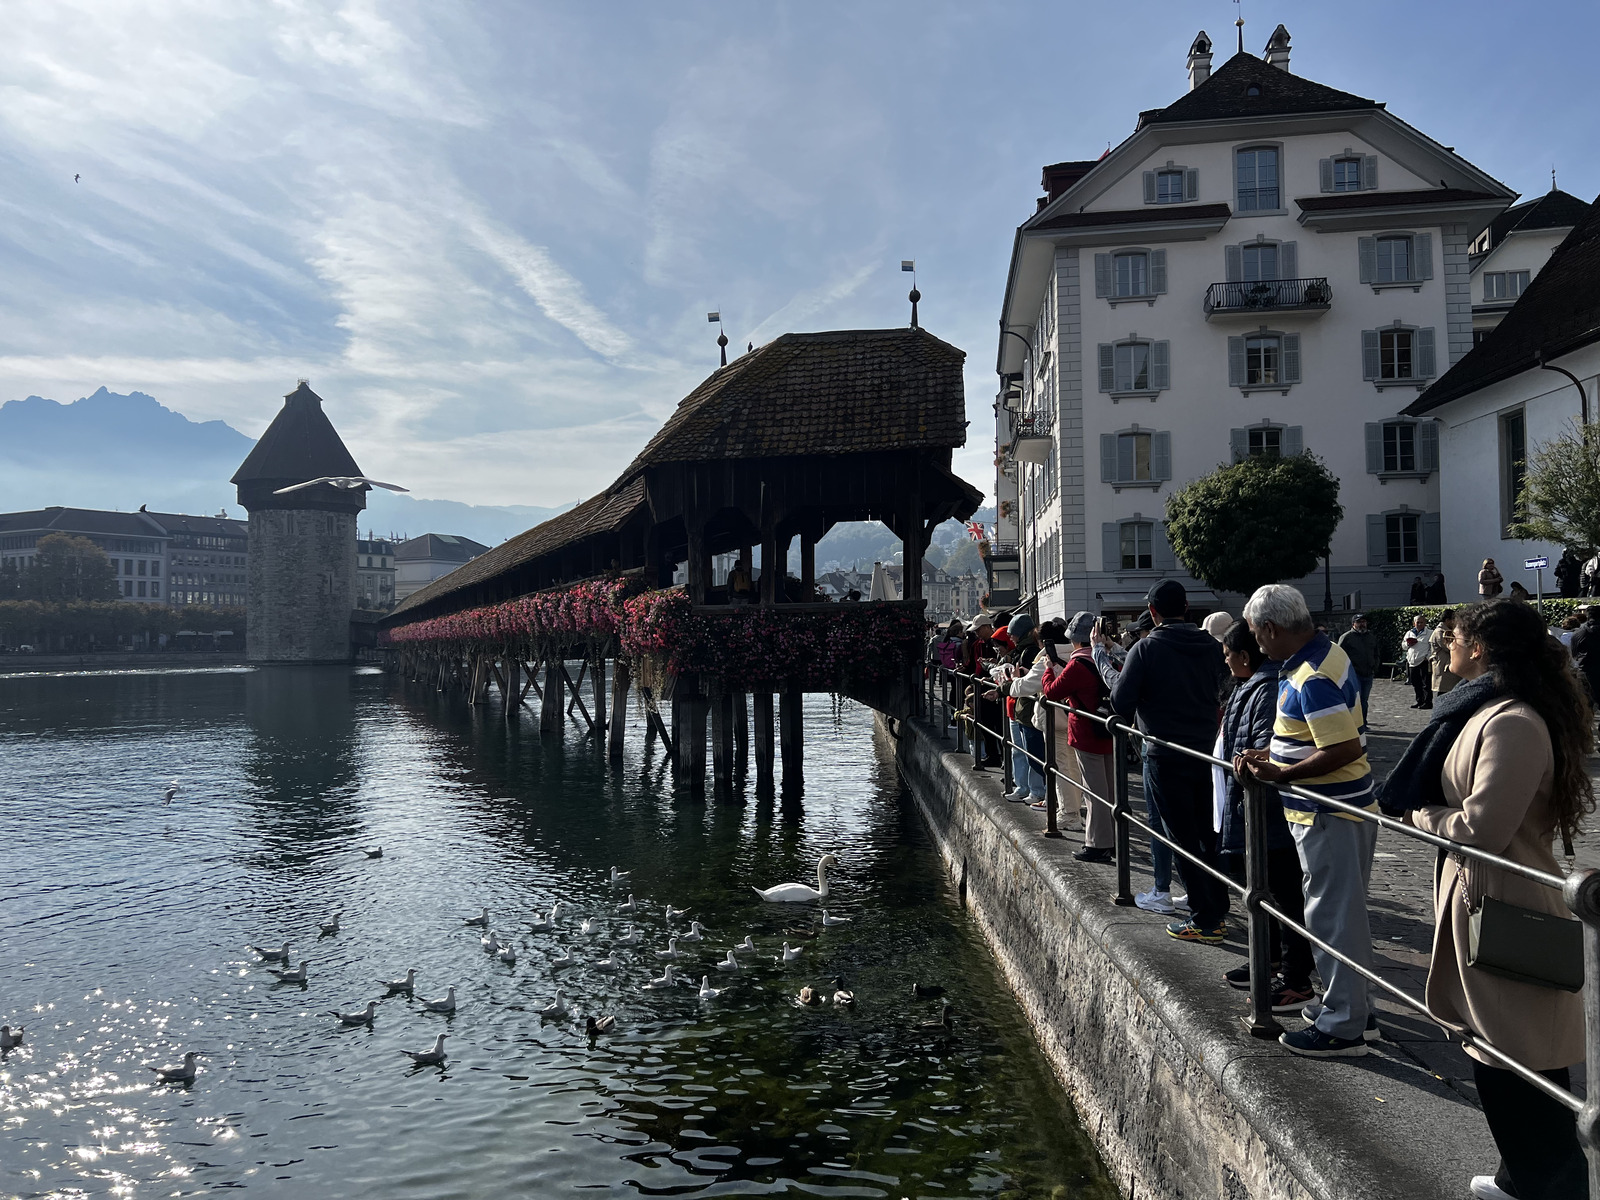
1319 744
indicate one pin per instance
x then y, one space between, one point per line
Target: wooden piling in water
761 712
550 715
619 709
722 747
741 736
791 735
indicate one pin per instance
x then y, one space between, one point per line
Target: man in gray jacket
1361 647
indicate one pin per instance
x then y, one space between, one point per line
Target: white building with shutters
1265 266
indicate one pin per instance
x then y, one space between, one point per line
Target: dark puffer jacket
1247 725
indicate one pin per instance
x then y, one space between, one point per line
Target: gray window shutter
1102 274
1239 444
1422 249
1325 174
1428 446
1367 253
1235 263
1288 260
1236 362
1160 366
1161 456
1149 187
1291 358
1369 171
1370 365
1158 272
1108 458
1374 447
1111 546
1430 538
1108 373
1191 184
1425 356
1377 541
1294 440
1161 554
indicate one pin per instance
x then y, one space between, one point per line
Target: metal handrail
1580 890
1268 295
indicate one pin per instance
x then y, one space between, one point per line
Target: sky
489 233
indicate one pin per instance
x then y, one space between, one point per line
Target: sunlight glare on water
127 925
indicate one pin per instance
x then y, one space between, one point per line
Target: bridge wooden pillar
619 709
550 714
722 747
511 685
771 571
762 713
808 565
597 672
791 739
691 741
741 735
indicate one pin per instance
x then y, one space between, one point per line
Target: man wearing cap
1020 687
1171 682
1360 646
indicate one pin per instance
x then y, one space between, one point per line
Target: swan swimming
362 1017
446 1004
179 1074
428 1058
800 893
401 985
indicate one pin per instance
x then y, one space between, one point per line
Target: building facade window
1396 259
1169 187
1265 443
1136 553
1256 179
1265 359
1398 354
1513 468
1135 366
1403 538
1132 274
1268 439
1504 285
1258 262
1136 456
1171 184
1399 446
1347 174
1402 447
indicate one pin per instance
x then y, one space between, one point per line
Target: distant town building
207 559
421 560
135 542
1508 254
302 559
375 573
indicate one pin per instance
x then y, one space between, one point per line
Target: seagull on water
507 954
490 943
445 1005
789 955
11 1038
481 921
668 978
610 964
696 933
590 926
670 954
183 1073
372 851
428 1058
630 937
707 992
729 964
828 921
556 908
748 946
594 1025
619 878
290 975
331 925
628 905
674 913
346 483
172 790
563 960
406 985
556 1007
541 924
362 1017
268 955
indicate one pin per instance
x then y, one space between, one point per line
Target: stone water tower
301 575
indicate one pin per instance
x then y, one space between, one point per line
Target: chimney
1278 49
1199 60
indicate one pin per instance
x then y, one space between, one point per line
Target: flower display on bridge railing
585 612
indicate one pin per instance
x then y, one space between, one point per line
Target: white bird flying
183 1073
799 893
428 1058
445 1005
172 790
345 482
360 1017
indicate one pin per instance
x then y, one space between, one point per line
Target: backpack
949 654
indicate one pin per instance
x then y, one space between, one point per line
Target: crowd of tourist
1501 766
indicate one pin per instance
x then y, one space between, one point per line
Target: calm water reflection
125 926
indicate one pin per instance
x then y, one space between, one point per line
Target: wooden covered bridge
782 443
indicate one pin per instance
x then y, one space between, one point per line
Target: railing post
977 734
1051 798
1582 894
1260 1022
1121 812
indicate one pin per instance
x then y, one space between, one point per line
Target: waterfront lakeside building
207 559
1264 266
375 573
1510 252
420 560
1533 377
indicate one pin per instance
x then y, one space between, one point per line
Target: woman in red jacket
1078 683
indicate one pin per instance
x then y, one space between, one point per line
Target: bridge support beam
597 674
511 685
741 736
722 747
791 738
619 709
550 715
762 715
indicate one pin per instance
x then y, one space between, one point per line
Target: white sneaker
1156 902
1485 1188
1016 794
1180 901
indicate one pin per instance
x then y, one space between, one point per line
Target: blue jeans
1364 682
1160 856
1181 789
1025 774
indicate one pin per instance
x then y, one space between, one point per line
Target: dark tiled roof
1559 313
850 392
211 526
83 520
1225 95
1552 210
604 513
1152 215
300 444
1340 201
440 547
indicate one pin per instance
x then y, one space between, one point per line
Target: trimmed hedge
1390 624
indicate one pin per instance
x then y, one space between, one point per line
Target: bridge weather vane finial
1238 9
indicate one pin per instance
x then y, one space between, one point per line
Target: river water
125 925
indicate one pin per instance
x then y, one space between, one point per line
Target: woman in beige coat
1439 647
1514 777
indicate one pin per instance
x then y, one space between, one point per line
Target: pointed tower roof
300 444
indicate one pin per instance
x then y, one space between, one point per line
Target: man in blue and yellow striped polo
1319 744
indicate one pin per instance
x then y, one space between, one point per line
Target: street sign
1535 564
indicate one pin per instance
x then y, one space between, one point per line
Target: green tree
1263 520
69 568
964 559
1560 501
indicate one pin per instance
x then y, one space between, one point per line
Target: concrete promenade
1129 1016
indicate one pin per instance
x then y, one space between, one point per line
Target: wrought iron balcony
1248 298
